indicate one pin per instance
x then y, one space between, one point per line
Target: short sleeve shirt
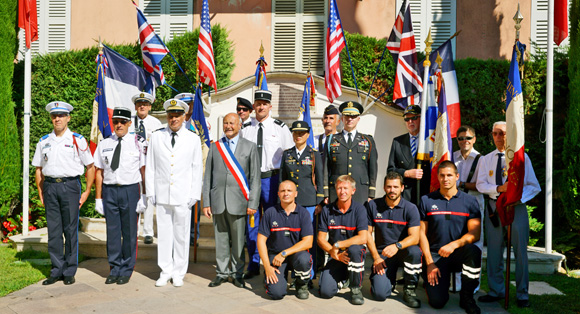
276 139
283 230
341 226
132 158
447 219
64 156
391 224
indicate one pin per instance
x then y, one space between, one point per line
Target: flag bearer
60 159
120 164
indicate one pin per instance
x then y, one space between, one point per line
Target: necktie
298 155
349 139
141 130
414 146
173 139
116 156
499 170
260 141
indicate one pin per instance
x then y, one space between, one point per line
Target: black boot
410 298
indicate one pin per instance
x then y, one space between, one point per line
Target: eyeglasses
242 109
411 118
464 138
123 122
498 133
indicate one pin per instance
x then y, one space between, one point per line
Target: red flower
31 228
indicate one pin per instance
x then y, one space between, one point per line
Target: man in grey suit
231 190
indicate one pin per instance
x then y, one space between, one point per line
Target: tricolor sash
234 166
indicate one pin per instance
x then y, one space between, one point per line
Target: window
169 18
53 27
539 29
298 35
440 15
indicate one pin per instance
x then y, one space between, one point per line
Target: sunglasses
242 109
498 133
58 115
411 118
123 122
463 138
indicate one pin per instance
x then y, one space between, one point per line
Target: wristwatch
336 245
399 245
283 253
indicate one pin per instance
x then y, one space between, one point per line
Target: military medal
491 173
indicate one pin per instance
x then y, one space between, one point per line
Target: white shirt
317 140
464 166
174 174
276 139
345 134
60 157
150 123
299 152
486 177
131 160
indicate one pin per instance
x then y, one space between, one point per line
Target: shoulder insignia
247 124
279 122
77 135
159 129
44 137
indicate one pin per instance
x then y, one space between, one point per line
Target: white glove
142 204
99 206
191 202
152 200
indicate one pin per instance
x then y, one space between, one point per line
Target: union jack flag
401 45
335 42
152 48
205 58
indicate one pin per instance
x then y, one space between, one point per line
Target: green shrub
10 158
70 76
571 148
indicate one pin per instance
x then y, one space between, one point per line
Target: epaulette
279 122
246 124
43 138
77 135
159 129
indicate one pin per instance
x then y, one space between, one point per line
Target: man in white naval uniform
144 125
173 183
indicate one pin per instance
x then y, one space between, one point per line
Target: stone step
92 243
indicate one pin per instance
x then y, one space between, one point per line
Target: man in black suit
402 158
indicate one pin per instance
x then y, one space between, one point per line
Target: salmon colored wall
373 18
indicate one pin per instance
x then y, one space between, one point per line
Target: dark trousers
410 259
467 260
120 203
300 262
335 272
61 201
268 198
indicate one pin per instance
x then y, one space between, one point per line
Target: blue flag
305 110
197 122
101 100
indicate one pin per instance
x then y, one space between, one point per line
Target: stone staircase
92 243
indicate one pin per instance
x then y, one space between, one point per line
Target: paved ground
90 295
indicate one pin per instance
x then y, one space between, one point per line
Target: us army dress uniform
62 160
120 196
359 159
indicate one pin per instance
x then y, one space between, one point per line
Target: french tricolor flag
515 155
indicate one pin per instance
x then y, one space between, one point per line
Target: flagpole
421 154
549 125
26 141
348 53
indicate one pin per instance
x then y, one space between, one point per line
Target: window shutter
440 15
298 35
169 18
539 24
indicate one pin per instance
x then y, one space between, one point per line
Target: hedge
482 86
10 158
70 76
571 149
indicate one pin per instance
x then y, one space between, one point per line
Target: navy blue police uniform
341 227
391 225
447 222
284 231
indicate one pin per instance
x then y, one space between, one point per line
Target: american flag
335 42
401 45
205 59
152 48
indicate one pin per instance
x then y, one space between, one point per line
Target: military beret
331 109
245 103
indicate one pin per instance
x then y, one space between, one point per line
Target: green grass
17 274
556 304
